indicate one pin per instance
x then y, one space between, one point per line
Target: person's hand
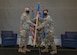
37 16
34 24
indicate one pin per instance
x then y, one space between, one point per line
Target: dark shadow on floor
35 51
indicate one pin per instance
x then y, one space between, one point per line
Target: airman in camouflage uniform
25 30
47 26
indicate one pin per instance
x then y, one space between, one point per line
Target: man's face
45 12
27 10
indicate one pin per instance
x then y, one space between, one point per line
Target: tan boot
21 50
44 50
26 49
53 52
41 46
38 45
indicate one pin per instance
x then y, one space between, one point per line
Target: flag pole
35 35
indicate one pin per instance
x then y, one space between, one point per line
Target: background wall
63 12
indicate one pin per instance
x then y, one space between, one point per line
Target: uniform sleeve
46 23
30 21
42 25
21 21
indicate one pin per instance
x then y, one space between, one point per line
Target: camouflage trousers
49 40
38 38
24 38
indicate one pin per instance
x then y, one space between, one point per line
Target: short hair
46 10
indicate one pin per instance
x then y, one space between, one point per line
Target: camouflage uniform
24 29
47 26
39 32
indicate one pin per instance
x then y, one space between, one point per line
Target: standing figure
25 30
47 26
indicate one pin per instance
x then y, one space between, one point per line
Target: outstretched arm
46 22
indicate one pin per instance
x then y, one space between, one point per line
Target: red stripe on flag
32 31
